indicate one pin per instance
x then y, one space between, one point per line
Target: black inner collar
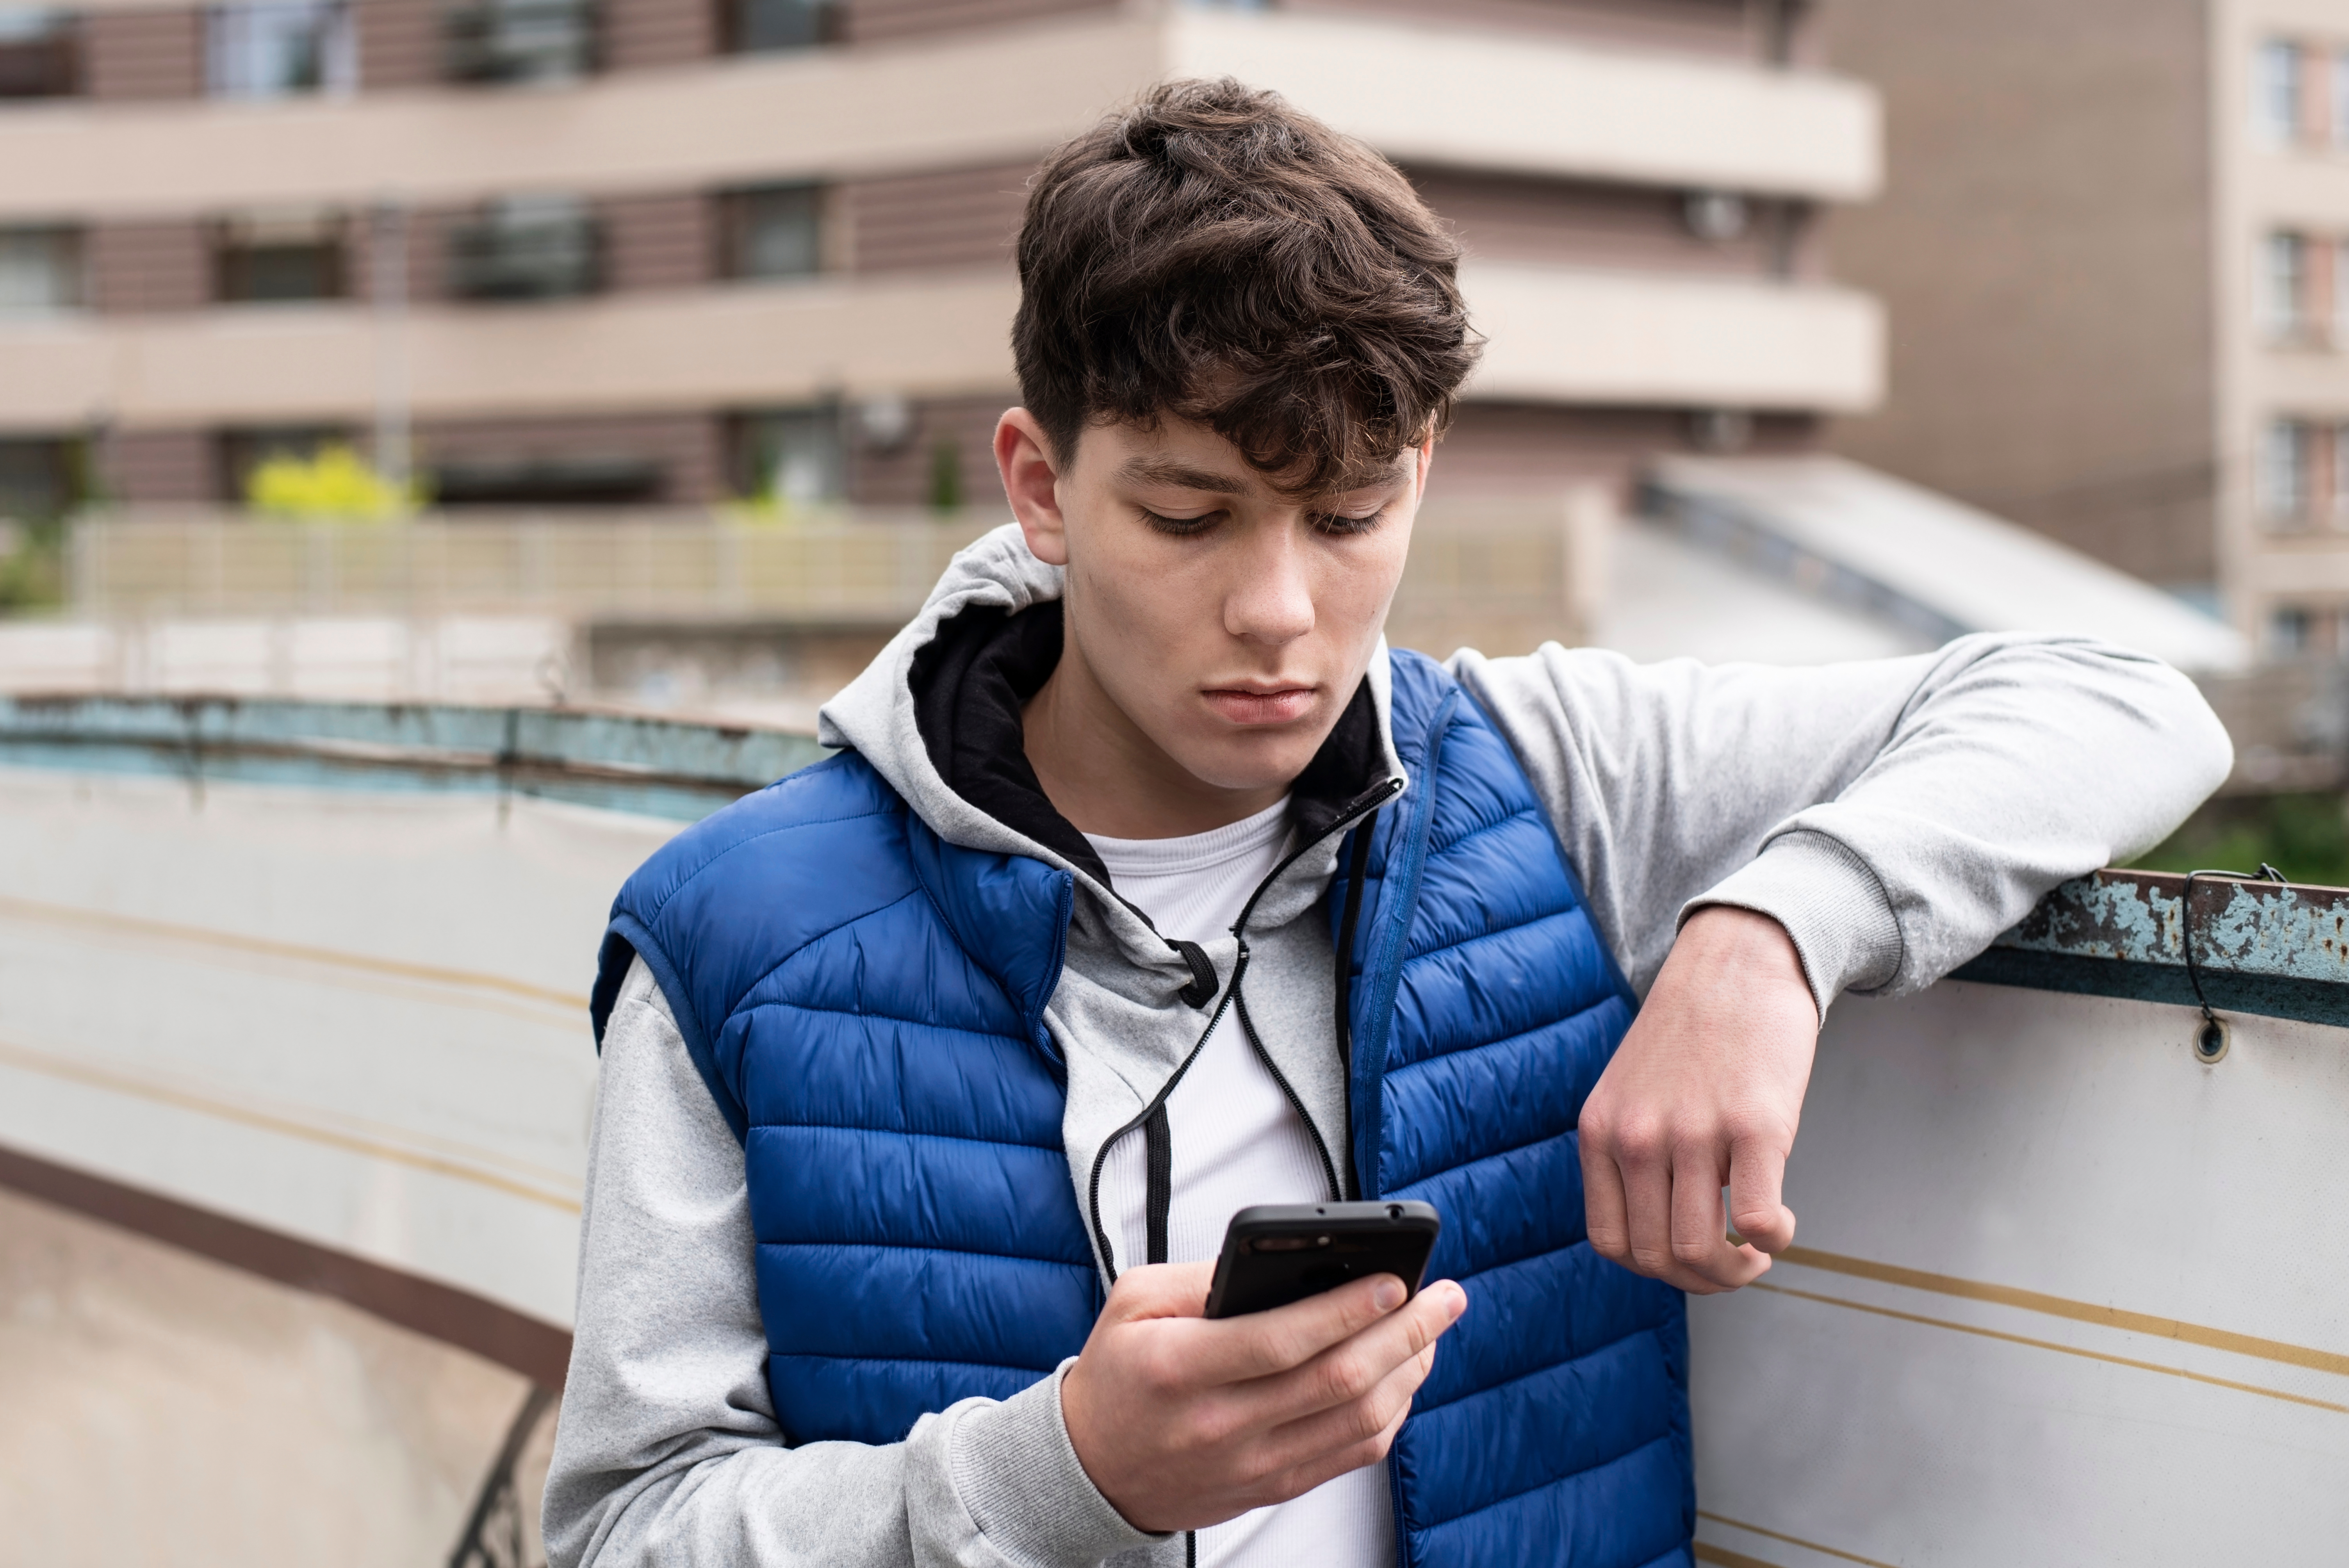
972 681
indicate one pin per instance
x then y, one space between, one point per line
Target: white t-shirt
1236 1142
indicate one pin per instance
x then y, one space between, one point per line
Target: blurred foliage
32 564
2306 837
946 476
335 484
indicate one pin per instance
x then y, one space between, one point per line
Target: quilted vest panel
866 1003
1555 1427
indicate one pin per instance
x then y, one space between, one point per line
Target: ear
1426 461
1030 481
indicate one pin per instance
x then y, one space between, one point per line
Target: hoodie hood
937 714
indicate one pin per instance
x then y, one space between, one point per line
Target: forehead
1185 454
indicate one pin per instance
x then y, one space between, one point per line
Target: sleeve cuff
1831 904
1025 1489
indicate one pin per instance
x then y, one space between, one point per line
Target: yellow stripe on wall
2049 1345
2276 1350
134 926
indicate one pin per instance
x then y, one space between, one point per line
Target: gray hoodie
1893 816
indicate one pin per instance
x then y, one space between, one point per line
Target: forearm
1894 815
669 1450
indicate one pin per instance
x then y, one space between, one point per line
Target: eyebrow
1183 475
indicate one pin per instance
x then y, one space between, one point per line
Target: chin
1261 761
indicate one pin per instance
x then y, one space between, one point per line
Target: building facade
2114 248
668 252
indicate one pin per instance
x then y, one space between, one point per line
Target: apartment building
2113 246
666 252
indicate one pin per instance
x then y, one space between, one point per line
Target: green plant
32 564
2304 836
945 475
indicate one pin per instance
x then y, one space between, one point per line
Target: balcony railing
521 40
550 253
1504 575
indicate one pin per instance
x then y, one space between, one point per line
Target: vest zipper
1159 1178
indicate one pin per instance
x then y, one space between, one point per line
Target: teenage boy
1150 884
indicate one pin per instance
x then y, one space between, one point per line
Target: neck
1106 777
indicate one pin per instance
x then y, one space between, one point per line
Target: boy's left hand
1706 1090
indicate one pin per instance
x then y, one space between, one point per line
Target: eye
1344 524
1180 526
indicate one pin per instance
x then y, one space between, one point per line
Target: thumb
1757 1175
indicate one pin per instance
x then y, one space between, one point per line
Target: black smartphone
1275 1253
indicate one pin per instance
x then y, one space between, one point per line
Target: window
36 53
2338 116
525 247
2285 450
2283 286
273 49
268 257
40 269
521 40
754 27
774 232
2275 91
795 455
2288 631
39 479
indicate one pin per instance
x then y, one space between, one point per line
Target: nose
1270 599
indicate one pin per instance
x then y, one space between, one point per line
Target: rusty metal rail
2260 946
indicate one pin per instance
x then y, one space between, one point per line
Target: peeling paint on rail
2261 948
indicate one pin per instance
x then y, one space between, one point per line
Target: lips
1261 704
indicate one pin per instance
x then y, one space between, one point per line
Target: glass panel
290 255
279 48
36 53
36 477
796 456
2283 282
526 247
40 269
522 40
2275 92
2284 472
762 25
777 231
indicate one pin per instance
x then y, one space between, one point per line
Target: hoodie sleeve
1893 815
667 1450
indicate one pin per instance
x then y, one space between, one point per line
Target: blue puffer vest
866 1004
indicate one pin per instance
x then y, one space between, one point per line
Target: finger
1648 1202
1305 1453
1602 1198
1159 1290
1757 1176
1708 1261
1348 1371
1263 1344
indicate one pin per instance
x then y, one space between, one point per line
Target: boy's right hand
1182 1423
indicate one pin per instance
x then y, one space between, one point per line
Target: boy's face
1227 623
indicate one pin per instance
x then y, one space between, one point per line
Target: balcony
520 41
1558 336
525 249
1533 106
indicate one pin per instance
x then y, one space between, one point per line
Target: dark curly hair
1215 254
